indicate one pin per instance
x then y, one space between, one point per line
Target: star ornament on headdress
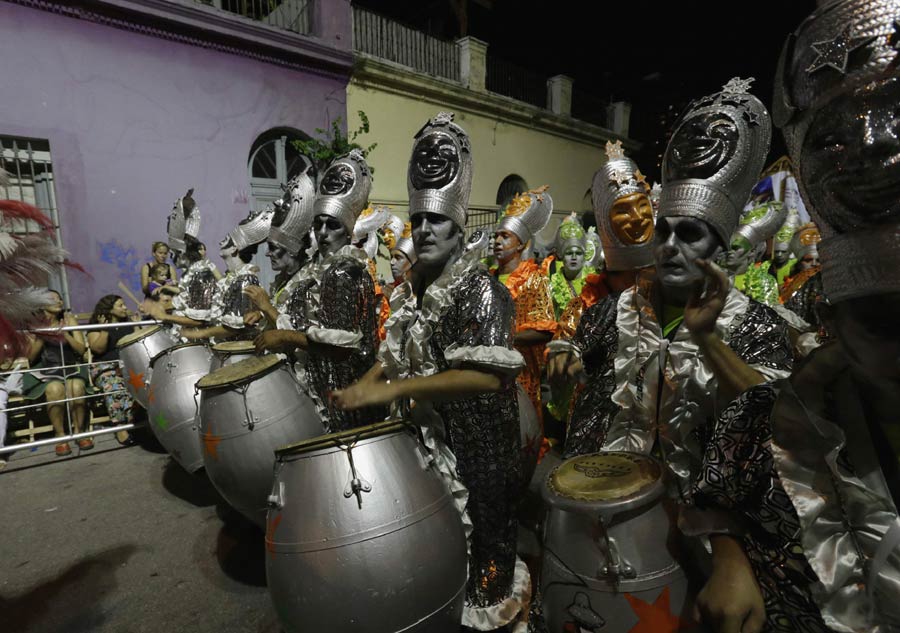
614 151
620 176
738 86
752 117
836 51
641 178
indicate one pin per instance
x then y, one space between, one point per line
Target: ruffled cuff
514 607
560 346
337 338
197 315
507 361
540 326
769 373
693 521
233 321
284 322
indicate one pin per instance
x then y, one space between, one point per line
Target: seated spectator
55 383
107 373
160 255
10 383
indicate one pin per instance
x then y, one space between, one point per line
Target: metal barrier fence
290 15
511 80
69 434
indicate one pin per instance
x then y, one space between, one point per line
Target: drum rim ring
151 330
175 348
239 382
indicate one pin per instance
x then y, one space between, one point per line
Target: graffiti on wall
126 261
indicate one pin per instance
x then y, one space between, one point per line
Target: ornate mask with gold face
631 218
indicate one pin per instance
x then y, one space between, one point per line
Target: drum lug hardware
170 365
616 568
356 485
276 499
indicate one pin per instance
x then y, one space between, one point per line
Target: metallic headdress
785 234
806 241
297 213
569 233
761 223
840 48
344 190
405 244
617 178
527 214
392 230
254 229
593 250
366 228
715 156
439 178
184 220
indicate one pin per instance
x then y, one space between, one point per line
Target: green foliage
332 143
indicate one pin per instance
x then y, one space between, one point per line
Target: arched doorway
509 188
273 161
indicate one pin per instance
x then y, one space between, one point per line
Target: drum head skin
175 348
343 438
138 335
240 372
231 347
604 483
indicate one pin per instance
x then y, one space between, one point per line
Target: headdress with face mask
623 211
366 228
184 220
254 229
569 233
439 178
759 224
391 231
296 217
405 244
593 249
527 214
836 93
805 241
344 190
714 158
785 233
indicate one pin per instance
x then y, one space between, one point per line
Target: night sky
656 55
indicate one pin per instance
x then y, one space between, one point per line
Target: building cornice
197 24
377 74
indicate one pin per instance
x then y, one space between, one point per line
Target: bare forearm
99 341
733 374
180 320
452 384
216 331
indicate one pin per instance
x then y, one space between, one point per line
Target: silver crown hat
439 177
527 214
297 213
617 178
569 233
715 156
254 229
369 221
392 230
344 189
761 223
845 52
785 232
806 240
593 250
405 244
181 223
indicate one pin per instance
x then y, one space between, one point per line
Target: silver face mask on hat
344 190
439 177
254 229
714 158
836 92
761 223
623 211
391 231
527 214
183 220
299 202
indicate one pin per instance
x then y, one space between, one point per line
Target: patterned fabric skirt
108 380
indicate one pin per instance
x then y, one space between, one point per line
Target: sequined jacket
230 303
624 407
198 290
810 494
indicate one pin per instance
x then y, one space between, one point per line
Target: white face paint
331 235
781 254
435 237
573 261
280 257
400 265
229 254
680 242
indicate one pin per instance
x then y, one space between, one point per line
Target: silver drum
230 352
135 351
610 546
363 536
247 410
172 410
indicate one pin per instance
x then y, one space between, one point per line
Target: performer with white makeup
449 349
329 315
809 465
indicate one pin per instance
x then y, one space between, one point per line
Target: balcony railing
386 39
510 80
290 15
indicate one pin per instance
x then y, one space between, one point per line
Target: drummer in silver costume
810 464
670 351
449 348
330 312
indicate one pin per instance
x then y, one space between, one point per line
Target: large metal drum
531 435
247 410
230 352
611 548
135 351
172 410
363 536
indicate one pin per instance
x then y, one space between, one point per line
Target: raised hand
707 299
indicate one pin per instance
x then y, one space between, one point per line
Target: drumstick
129 294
